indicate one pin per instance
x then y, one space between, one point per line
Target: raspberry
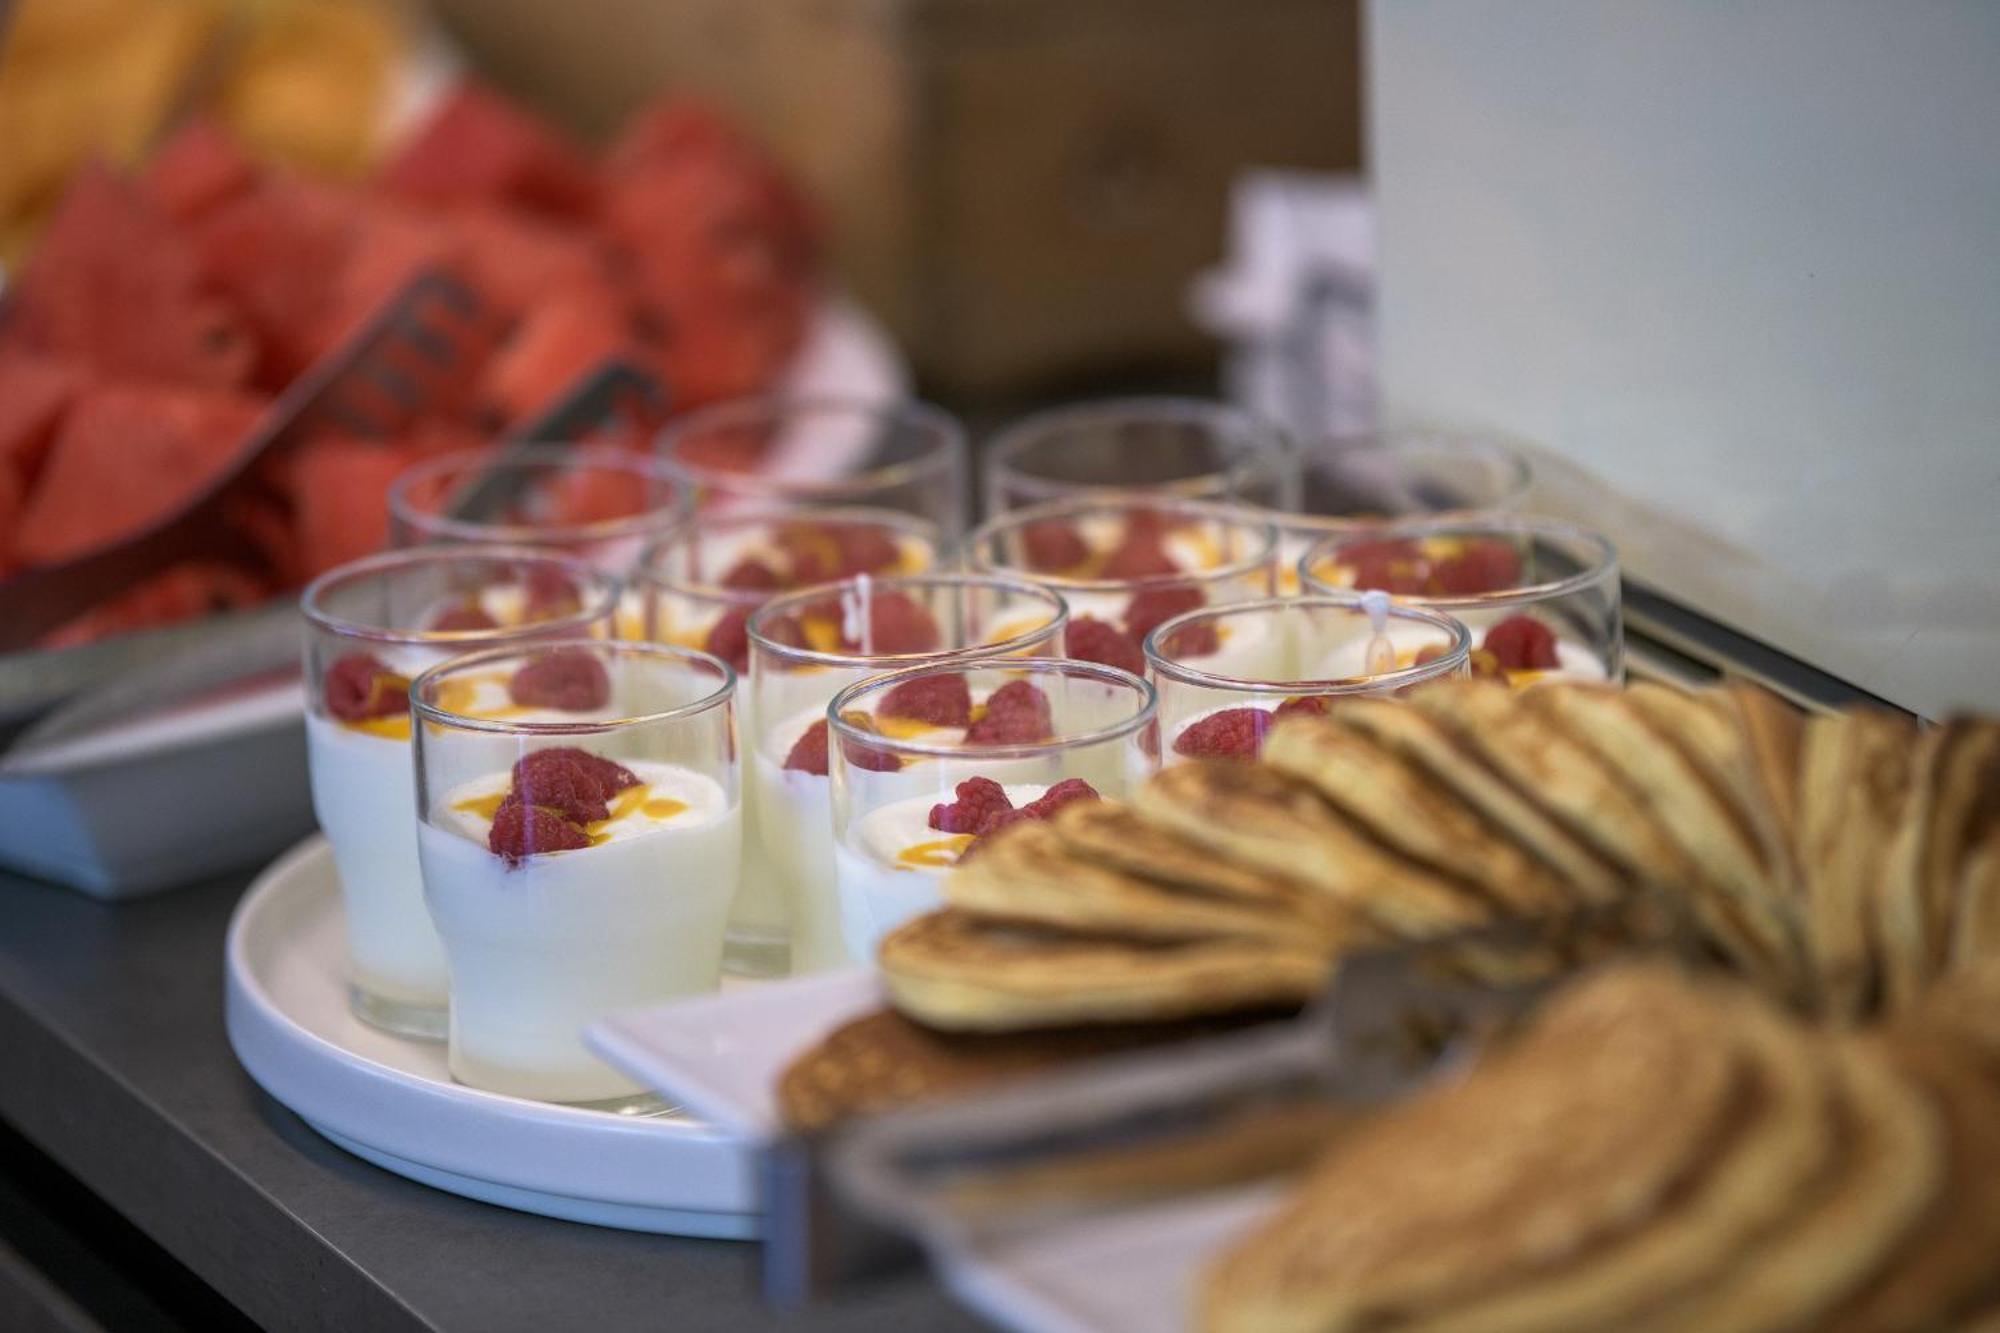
1052 545
1521 643
942 701
1141 555
865 548
1005 819
752 575
1392 566
809 752
729 638
900 624
520 830
556 780
463 618
358 686
1067 792
607 776
1484 565
1016 714
814 551
1092 640
550 595
1152 607
1312 705
570 679
1233 733
979 801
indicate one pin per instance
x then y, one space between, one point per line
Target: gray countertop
114 1062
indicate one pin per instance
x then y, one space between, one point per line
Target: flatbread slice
1265 819
882 1061
1954 765
1854 778
1948 1261
1888 1173
1456 766
954 971
1563 777
1576 1131
1404 809
1734 896
1029 876
1773 729
1110 833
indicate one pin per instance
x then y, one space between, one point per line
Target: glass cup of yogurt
1190 448
370 628
1046 731
1125 564
806 647
1334 646
1541 597
699 586
788 451
575 866
1351 484
603 504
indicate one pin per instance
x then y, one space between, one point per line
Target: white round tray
391 1101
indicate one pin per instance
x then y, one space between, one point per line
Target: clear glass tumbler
1188 448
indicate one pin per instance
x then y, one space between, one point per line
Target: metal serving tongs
260 645
1138 1130
375 383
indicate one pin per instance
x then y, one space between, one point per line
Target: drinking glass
602 504
901 803
370 627
806 647
1124 564
1188 448
577 861
1541 597
782 451
699 586
1329 647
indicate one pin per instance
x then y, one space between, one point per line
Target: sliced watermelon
114 286
480 148
280 252
184 592
200 167
34 393
125 456
564 339
343 499
515 262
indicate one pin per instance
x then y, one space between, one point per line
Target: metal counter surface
113 1061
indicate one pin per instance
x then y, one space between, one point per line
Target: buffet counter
117 1067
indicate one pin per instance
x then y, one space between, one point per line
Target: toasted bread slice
1455 765
1407 811
954 971
1549 1150
1854 778
1949 1261
883 1061
1265 819
1560 775
1112 834
1888 1173
1955 767
1749 919
1774 730
1028 875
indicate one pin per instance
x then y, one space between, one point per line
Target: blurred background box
1020 188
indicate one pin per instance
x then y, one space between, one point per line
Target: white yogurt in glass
892 866
541 949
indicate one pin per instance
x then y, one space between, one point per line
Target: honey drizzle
935 855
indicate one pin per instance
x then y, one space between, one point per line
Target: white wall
1741 261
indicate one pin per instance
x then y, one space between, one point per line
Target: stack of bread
1841 863
1656 1153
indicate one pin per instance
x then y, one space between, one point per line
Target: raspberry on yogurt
941 701
1016 714
520 830
1233 733
1093 640
979 801
569 679
1521 643
359 686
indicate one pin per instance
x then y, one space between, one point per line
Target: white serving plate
721 1055
390 1100
178 796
